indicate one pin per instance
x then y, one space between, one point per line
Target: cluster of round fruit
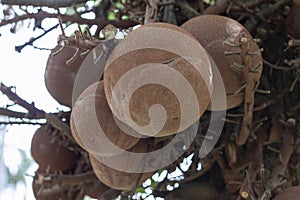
54 155
155 64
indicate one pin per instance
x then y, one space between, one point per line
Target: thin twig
21 123
219 7
100 22
277 67
35 112
32 40
18 100
47 3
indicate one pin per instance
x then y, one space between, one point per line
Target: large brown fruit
47 151
292 22
97 190
194 191
213 31
94 127
153 82
59 77
92 68
292 193
121 180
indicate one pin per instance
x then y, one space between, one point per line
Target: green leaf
97 2
119 5
210 2
153 183
83 27
125 17
111 16
160 171
70 11
140 190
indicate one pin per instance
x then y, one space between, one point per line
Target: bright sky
25 71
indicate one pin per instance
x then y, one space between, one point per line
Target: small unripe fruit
48 153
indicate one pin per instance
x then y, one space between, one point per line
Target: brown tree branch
22 115
47 3
187 10
219 7
247 5
41 15
286 150
32 40
68 179
18 100
151 11
14 114
20 123
58 124
35 112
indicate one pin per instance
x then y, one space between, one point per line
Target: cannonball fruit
151 86
213 32
60 77
149 78
121 180
292 22
94 127
48 153
95 189
194 190
92 68
290 193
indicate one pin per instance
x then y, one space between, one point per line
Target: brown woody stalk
68 179
250 84
151 11
287 148
219 7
